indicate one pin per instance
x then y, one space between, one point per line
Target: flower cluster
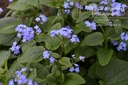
74 68
47 55
65 32
26 32
114 42
108 6
15 48
38 30
122 46
21 78
41 18
69 4
81 58
92 25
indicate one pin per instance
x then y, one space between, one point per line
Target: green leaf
7 20
7 30
101 19
104 56
12 69
69 47
19 5
73 79
65 61
50 3
93 39
117 26
26 46
42 37
75 14
83 16
94 0
52 43
33 54
23 4
33 74
124 24
85 51
114 73
82 27
112 35
51 80
4 56
8 39
55 55
41 71
57 26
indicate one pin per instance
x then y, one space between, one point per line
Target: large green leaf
82 27
114 73
73 79
101 19
104 56
4 56
93 39
7 30
110 32
52 43
124 24
51 80
57 26
117 26
51 3
33 54
75 13
83 16
65 61
41 71
23 4
85 51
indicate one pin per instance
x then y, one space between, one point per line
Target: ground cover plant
64 42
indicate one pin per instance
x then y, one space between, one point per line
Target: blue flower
1 10
11 82
46 54
15 48
75 68
74 39
51 59
81 58
122 46
92 25
66 5
30 82
38 30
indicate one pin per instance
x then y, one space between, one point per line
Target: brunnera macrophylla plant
64 42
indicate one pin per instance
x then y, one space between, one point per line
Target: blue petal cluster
69 4
92 25
65 32
15 48
26 32
47 55
74 68
21 78
41 18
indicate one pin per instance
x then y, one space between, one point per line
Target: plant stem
105 37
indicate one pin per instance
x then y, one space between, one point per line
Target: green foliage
93 39
104 56
73 79
113 73
73 45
